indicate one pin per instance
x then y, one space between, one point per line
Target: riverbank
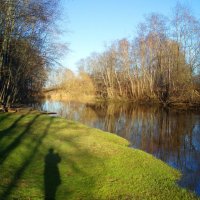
59 95
83 163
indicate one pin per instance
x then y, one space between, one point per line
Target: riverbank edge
124 143
179 105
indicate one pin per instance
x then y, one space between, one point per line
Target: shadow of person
51 174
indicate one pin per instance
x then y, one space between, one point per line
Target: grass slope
83 163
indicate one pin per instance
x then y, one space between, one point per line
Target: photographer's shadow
51 174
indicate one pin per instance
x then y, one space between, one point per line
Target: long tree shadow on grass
4 116
14 144
33 152
75 164
8 130
51 174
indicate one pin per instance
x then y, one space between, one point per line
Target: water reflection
170 135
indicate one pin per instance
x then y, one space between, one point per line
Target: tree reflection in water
170 135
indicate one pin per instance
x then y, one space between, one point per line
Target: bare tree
24 47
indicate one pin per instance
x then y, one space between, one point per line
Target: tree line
63 84
161 63
25 47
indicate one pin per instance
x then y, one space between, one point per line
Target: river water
170 135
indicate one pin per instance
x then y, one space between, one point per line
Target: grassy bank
42 156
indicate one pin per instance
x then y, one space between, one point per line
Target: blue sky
90 24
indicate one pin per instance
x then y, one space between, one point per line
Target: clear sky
90 24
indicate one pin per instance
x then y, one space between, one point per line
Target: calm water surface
170 135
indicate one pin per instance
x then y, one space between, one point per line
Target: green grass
86 163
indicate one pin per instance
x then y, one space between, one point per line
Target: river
170 135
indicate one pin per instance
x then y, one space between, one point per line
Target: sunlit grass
93 164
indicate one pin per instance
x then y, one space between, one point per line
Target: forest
25 48
160 64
